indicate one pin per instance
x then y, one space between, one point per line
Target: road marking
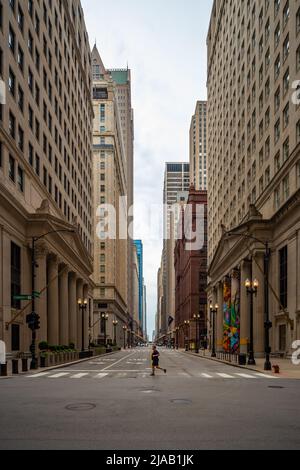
265 376
100 376
118 362
36 376
79 376
58 376
225 376
246 376
121 375
207 376
184 374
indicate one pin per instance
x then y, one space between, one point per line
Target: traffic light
33 321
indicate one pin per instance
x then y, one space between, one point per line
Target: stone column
53 304
79 295
245 318
258 305
64 307
40 284
220 317
87 315
72 310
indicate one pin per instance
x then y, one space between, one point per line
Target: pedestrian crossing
143 374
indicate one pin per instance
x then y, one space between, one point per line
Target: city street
114 403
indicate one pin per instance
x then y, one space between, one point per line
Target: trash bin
242 359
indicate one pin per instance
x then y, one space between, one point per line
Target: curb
60 366
228 363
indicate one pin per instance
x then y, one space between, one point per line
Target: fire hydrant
276 369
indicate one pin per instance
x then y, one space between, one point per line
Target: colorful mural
235 312
227 315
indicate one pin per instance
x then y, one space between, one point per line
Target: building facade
140 256
198 147
110 188
191 277
175 194
254 169
45 171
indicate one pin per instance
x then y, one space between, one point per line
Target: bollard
3 370
24 365
15 366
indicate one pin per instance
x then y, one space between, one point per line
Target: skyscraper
176 190
140 256
254 169
198 147
110 188
45 170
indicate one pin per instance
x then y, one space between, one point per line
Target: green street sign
22 297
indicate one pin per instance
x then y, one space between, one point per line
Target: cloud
164 43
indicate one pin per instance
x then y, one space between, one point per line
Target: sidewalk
287 369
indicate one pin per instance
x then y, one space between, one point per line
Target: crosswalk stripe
58 376
246 376
207 376
36 376
100 376
79 376
225 376
265 376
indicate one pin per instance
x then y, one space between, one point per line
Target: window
282 338
286 188
286 150
20 99
277 100
286 114
21 139
20 179
12 125
11 168
277 200
11 82
286 48
286 82
11 40
277 131
20 58
15 275
283 276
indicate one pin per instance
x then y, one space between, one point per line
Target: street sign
36 295
22 297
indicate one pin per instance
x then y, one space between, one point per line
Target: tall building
254 169
198 147
136 292
140 254
176 189
145 312
191 277
110 188
45 170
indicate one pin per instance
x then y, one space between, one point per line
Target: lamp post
187 326
104 317
197 320
177 337
115 323
214 312
82 306
124 332
33 319
252 288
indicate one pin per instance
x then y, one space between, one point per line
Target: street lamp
33 319
104 317
214 312
82 306
197 320
187 326
252 288
124 332
115 323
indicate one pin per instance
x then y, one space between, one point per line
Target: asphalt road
114 404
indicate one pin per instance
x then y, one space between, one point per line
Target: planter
43 361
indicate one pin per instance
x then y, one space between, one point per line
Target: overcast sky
164 44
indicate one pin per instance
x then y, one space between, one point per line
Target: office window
15 275
12 125
283 276
11 82
20 179
11 168
11 40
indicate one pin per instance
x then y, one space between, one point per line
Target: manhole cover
181 401
81 407
276 387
